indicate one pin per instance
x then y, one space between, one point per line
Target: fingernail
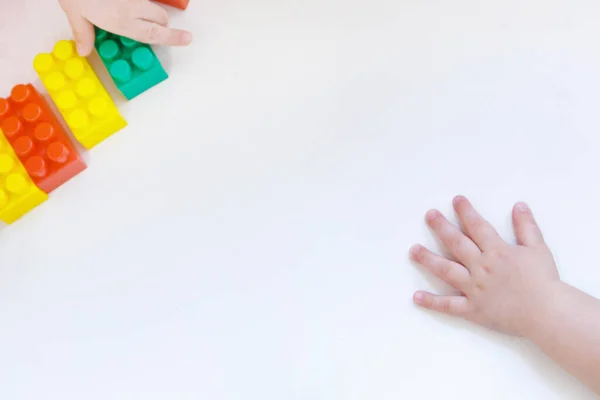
522 207
418 297
414 251
431 215
457 200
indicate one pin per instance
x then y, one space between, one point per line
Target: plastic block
132 65
75 88
176 3
38 138
18 194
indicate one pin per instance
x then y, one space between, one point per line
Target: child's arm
513 289
568 330
140 20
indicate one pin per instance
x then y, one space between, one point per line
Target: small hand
501 285
140 20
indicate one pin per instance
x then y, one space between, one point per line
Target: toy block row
36 154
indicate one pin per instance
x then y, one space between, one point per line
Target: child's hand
140 20
502 286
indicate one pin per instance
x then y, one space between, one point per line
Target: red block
175 3
38 138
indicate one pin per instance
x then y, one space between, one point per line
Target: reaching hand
140 20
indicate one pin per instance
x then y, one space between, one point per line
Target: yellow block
18 193
78 93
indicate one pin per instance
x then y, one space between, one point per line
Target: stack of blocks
36 154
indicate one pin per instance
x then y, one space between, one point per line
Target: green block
132 65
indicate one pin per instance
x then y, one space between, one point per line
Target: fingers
457 306
450 272
153 13
477 228
153 33
83 32
526 229
460 246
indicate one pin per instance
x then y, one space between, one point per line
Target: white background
246 236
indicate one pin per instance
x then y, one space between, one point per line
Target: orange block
175 3
38 138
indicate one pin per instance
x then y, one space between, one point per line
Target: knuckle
477 224
497 255
486 267
445 271
444 305
152 33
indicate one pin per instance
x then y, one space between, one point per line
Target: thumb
84 34
526 229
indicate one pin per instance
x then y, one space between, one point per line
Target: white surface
246 236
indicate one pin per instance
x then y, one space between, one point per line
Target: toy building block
38 139
18 194
132 65
176 3
75 88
